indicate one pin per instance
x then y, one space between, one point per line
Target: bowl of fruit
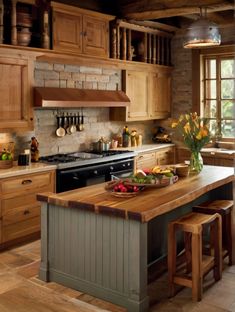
154 177
119 188
6 159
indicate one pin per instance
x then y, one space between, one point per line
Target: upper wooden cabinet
80 31
16 72
149 93
67 34
160 94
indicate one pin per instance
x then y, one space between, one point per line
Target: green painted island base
105 256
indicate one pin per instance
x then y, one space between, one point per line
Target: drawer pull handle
26 182
141 157
26 212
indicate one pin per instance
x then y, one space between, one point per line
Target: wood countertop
150 203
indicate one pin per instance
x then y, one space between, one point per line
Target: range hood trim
72 98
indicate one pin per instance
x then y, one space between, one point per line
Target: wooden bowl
6 164
182 170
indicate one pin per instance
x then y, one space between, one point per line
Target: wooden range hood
71 98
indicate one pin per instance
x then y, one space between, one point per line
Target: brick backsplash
97 122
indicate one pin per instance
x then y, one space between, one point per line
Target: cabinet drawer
13 202
20 229
146 161
26 183
21 214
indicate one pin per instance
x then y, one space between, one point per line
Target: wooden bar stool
224 208
197 264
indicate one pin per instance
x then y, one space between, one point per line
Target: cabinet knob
26 212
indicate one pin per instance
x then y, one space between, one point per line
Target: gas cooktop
85 158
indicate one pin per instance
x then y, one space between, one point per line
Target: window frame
198 74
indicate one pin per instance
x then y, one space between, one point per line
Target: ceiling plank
186 10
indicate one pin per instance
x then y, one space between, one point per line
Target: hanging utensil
79 122
60 131
67 124
82 121
73 127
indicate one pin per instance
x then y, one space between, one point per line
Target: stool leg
228 233
197 266
171 258
217 229
188 251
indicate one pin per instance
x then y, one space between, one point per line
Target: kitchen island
102 245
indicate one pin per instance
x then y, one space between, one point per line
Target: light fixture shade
202 33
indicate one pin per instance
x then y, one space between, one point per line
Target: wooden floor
22 291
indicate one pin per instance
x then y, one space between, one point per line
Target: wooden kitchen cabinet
149 93
209 158
80 31
164 156
16 92
160 94
19 209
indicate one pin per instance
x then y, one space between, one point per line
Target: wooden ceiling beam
181 11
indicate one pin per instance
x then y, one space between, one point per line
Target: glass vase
196 162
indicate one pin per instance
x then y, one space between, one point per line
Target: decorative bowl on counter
182 170
119 188
6 164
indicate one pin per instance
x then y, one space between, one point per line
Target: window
218 92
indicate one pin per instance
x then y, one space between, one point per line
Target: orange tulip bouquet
195 132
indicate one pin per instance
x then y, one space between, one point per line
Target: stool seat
224 208
197 264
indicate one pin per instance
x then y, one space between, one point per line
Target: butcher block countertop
150 203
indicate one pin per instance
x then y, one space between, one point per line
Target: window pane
228 68
228 109
228 128
228 89
210 89
210 109
213 127
211 69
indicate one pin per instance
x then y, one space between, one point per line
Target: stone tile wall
97 122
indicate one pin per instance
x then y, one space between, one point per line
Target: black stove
82 169
58 158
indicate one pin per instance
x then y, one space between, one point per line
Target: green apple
4 156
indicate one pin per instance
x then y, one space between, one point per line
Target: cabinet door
136 88
208 160
160 94
166 156
67 32
96 36
144 161
226 162
16 98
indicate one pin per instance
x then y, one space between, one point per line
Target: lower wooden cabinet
164 156
212 159
19 209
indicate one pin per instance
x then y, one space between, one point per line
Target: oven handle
114 174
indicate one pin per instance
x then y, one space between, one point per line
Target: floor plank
22 291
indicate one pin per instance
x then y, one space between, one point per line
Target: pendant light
202 33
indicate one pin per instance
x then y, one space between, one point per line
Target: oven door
122 174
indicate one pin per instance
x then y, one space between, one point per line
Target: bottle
34 150
125 137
